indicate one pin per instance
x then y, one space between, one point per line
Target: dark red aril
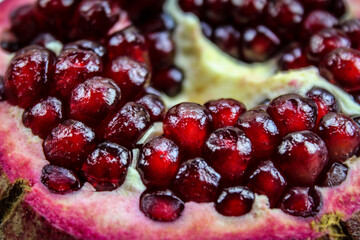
235 201
259 44
130 75
247 11
293 58
262 132
139 9
154 105
228 151
188 125
168 80
196 181
30 48
193 6
302 202
28 76
302 156
161 49
335 175
159 162
225 112
69 144
106 167
2 89
43 39
338 8
292 112
74 66
316 4
162 206
43 116
326 102
228 39
341 135
126 126
316 21
268 180
91 101
60 180
162 22
216 11
88 45
351 28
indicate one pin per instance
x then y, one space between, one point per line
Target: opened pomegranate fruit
103 137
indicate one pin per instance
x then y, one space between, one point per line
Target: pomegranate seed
93 19
137 9
206 29
316 21
228 151
28 76
106 167
154 105
161 49
335 176
2 89
352 29
159 162
302 202
30 48
342 67
225 112
168 80
196 181
325 41
69 144
292 112
216 10
90 102
338 8
326 102
43 116
193 6
128 42
301 156
188 125
9 42
293 58
267 180
228 39
126 126
74 66
162 22
262 132
60 180
161 206
88 46
259 44
316 4
43 39
247 11
235 201
59 8
341 135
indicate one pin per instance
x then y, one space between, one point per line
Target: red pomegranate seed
267 180
342 67
43 116
138 9
193 6
30 48
128 42
196 181
323 42
161 49
302 202
292 112
225 112
90 102
293 58
228 39
130 75
316 21
159 162
247 11
228 151
162 206
154 105
316 4
60 180
262 132
74 66
326 102
352 29
106 167
43 39
259 44
188 125
2 89
59 8
93 19
235 201
126 126
88 46
161 22
338 8
301 156
69 144
216 11
341 135
168 80
28 76
335 176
